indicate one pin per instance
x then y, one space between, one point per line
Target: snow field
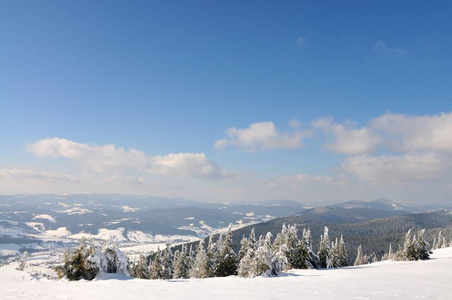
430 279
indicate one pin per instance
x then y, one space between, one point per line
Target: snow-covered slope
385 280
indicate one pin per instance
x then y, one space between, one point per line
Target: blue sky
171 77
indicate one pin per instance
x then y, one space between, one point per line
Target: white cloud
419 148
262 135
393 132
348 140
16 173
415 133
382 48
189 165
340 180
398 170
109 158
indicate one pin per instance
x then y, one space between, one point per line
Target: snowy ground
431 279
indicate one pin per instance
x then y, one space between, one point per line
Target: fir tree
243 248
227 259
22 261
280 239
335 254
421 246
409 250
325 251
140 269
390 253
76 263
263 256
167 262
247 243
155 268
360 258
212 257
181 263
439 241
247 264
200 264
191 257
279 260
304 257
343 256
291 241
434 244
312 260
414 248
110 258
284 249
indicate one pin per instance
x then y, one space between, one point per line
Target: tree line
263 256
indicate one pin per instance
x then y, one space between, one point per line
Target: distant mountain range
40 221
37 219
374 224
356 211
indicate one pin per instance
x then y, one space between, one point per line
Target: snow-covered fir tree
279 261
181 265
325 251
280 239
343 255
360 257
243 248
212 257
78 263
440 242
263 262
311 259
167 262
246 244
437 243
155 267
291 242
339 254
191 257
335 254
389 255
414 247
140 269
409 251
247 264
111 259
200 265
88 259
421 246
227 259
22 261
303 253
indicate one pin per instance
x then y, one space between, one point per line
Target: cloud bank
418 148
395 156
117 160
263 136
